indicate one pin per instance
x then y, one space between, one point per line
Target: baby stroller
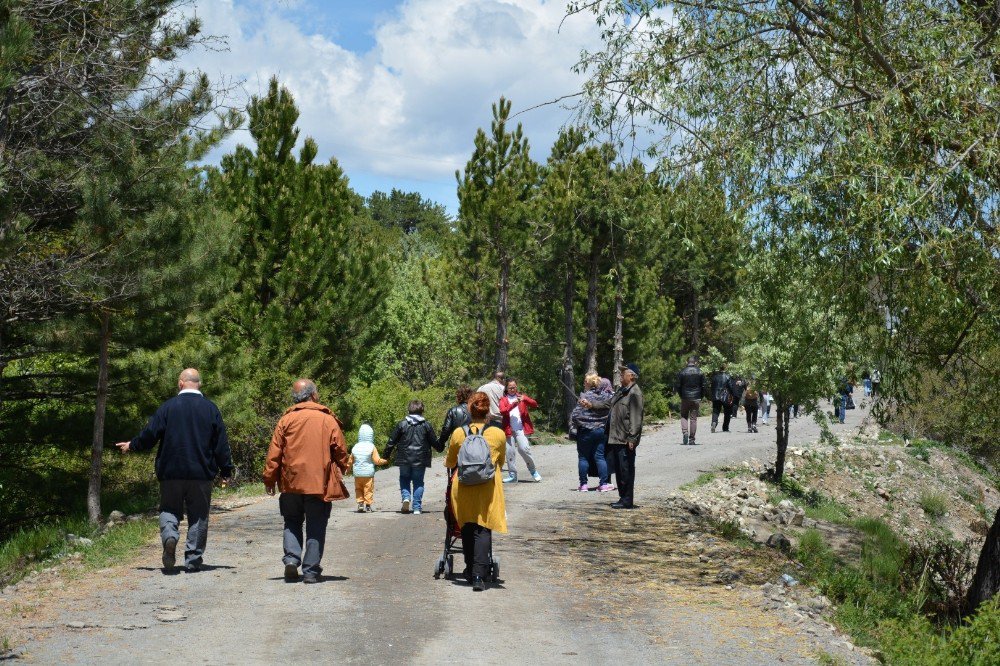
452 541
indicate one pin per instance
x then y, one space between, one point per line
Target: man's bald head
303 390
190 378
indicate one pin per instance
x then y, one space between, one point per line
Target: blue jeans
590 445
412 475
843 406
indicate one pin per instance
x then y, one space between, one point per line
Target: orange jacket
307 443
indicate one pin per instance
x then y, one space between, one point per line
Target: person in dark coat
193 451
414 437
457 416
690 387
721 398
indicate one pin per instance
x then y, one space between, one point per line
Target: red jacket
525 403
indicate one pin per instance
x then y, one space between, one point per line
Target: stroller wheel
449 570
439 567
495 570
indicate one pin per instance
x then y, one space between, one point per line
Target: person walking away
414 437
626 407
590 435
514 410
690 386
479 508
736 387
193 451
766 400
866 381
751 403
305 462
364 458
457 416
495 390
845 392
721 398
876 382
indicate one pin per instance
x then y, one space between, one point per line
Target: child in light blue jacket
364 458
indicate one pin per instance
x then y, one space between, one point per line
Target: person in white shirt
517 426
494 390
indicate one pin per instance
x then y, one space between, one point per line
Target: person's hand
584 403
270 490
124 447
631 446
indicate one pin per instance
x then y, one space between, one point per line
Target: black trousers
751 408
719 406
624 470
476 544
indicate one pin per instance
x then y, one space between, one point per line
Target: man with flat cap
194 449
624 431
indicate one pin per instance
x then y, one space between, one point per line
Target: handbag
850 402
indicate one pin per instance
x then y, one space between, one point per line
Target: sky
395 89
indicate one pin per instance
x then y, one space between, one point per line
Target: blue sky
395 89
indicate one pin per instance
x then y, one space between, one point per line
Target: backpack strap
466 430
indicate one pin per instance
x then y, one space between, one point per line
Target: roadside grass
703 479
934 504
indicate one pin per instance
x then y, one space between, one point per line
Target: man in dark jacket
414 437
193 450
721 398
624 431
690 386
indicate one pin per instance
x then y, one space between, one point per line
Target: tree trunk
695 321
97 446
781 434
592 283
986 582
619 323
567 378
503 317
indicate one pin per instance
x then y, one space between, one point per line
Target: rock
788 580
767 588
787 505
134 518
780 542
704 558
85 542
743 494
882 492
798 518
170 615
728 576
980 527
116 517
809 522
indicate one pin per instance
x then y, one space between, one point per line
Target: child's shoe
361 507
368 508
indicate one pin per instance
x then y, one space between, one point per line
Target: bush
934 505
918 642
383 404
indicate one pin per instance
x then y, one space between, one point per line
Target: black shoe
192 568
310 579
478 584
691 442
169 553
621 505
291 573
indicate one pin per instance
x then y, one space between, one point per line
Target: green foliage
916 641
382 404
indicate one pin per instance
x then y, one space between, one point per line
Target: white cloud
410 107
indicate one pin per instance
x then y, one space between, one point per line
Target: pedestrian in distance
876 382
364 458
516 422
766 400
736 388
457 416
193 451
866 380
591 434
495 390
844 391
626 407
305 463
721 398
690 387
414 437
751 404
478 507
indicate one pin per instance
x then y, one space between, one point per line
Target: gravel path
380 604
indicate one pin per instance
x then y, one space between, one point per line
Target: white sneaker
510 478
536 476
416 512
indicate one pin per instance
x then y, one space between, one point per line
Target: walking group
308 458
728 393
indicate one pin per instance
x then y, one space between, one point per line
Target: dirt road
380 604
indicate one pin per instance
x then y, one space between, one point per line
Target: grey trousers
194 498
296 509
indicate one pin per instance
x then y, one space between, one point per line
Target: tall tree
494 195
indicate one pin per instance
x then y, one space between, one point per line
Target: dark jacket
456 417
736 388
414 436
192 437
690 383
720 385
625 418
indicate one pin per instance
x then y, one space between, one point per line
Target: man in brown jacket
307 444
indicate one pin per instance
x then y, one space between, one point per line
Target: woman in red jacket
514 408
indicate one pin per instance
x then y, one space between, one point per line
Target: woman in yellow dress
480 508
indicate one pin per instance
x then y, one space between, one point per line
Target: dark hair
415 407
462 393
506 384
693 359
479 405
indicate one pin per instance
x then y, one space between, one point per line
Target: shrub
383 405
917 642
934 505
